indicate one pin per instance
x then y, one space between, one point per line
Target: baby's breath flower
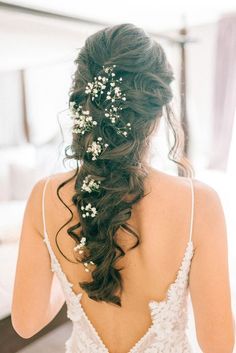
114 95
90 184
89 211
82 120
86 264
80 245
96 148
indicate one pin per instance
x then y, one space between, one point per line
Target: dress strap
192 209
43 209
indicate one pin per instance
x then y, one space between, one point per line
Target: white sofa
21 167
10 227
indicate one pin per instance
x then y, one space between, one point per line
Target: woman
124 275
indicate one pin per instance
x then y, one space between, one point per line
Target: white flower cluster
99 84
112 113
120 131
87 264
96 148
89 184
88 208
114 94
96 87
82 120
80 247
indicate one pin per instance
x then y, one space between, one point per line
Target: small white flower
90 211
80 245
82 121
115 95
96 148
90 184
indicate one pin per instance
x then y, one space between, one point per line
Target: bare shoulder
209 214
61 177
62 180
208 209
181 182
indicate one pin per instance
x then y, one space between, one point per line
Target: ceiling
36 37
154 15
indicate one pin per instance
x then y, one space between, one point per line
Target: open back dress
166 334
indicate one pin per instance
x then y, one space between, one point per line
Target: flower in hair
97 86
89 211
81 246
87 265
114 98
90 184
96 148
82 120
107 82
120 130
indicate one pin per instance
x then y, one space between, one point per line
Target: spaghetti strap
192 210
43 209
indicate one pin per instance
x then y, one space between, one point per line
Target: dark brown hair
147 75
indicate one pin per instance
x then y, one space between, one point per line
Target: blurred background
39 42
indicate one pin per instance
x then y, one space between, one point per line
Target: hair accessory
82 120
96 148
112 100
80 247
89 184
108 83
107 93
88 208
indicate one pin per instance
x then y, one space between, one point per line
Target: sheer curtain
224 93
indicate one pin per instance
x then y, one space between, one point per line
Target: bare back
162 219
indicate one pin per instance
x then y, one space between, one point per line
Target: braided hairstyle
119 171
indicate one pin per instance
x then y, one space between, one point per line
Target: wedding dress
167 333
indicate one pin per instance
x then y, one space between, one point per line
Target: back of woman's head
108 185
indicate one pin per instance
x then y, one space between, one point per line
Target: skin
163 221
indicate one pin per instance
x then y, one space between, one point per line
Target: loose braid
118 173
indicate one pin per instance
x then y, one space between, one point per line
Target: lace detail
166 334
169 316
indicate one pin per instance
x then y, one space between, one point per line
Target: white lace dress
167 333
